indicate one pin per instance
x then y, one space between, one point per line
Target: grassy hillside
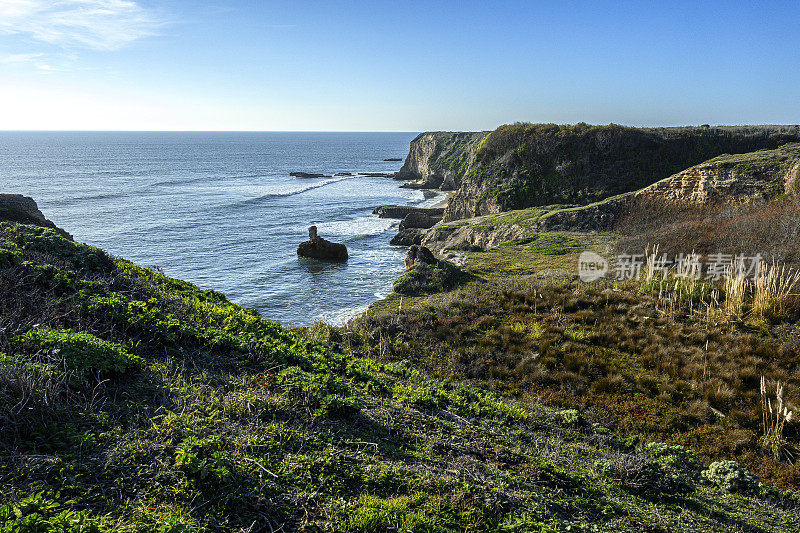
661 361
130 401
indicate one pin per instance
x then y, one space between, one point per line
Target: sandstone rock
431 161
741 178
318 248
472 235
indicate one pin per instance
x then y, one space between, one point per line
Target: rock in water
306 175
401 211
318 248
417 219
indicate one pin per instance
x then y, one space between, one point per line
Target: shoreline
445 200
347 314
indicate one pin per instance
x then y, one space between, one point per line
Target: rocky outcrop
440 160
23 209
408 237
473 236
419 255
425 274
754 177
745 178
402 211
318 248
416 219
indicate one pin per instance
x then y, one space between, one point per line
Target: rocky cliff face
751 178
440 159
19 208
745 178
527 165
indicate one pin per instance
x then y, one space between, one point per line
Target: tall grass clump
736 287
773 419
772 288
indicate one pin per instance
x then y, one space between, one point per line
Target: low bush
730 477
423 278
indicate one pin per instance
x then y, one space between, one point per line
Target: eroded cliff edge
519 166
753 178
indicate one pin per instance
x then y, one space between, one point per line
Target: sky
269 65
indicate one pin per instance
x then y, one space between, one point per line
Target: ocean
220 209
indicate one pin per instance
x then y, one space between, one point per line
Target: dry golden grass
736 288
773 286
774 419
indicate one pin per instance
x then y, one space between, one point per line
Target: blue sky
394 66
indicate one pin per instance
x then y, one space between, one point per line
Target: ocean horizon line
201 131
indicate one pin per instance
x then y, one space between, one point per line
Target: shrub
339 406
673 456
570 417
48 241
79 352
730 477
640 473
425 278
202 458
319 393
9 254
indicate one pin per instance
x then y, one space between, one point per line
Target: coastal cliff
527 165
752 178
440 159
23 210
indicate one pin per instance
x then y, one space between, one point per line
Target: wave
356 228
341 317
179 181
80 199
259 199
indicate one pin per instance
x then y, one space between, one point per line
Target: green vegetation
681 375
130 401
430 278
549 243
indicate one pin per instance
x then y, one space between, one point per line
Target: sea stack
318 248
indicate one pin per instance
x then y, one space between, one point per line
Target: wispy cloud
95 24
20 58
